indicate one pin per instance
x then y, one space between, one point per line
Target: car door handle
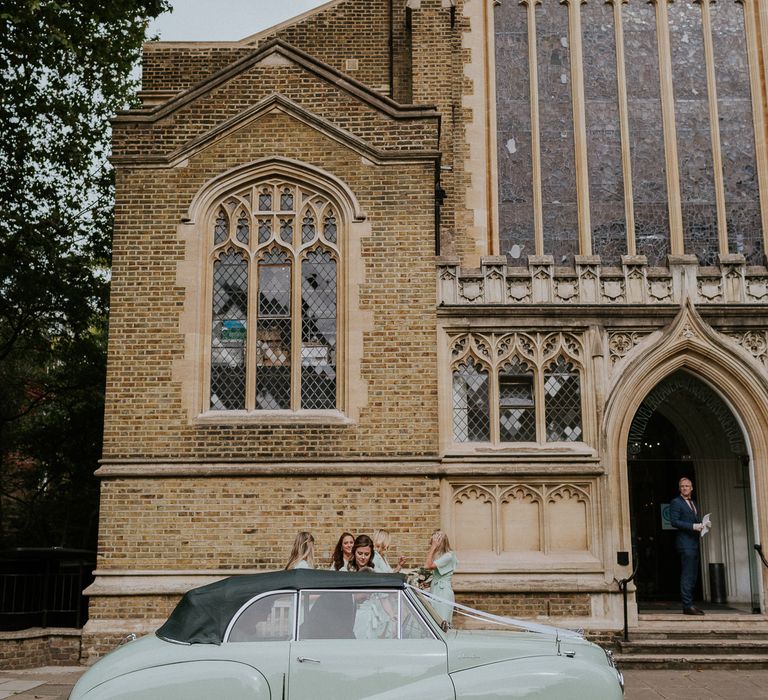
306 659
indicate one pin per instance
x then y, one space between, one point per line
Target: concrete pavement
45 683
55 682
696 685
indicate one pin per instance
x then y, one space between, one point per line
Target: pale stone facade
482 294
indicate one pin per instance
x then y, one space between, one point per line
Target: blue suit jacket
683 518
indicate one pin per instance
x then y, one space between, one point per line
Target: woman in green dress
372 621
442 562
381 542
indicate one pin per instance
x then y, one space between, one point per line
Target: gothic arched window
562 399
274 257
517 388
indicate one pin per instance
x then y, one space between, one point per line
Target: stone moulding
590 283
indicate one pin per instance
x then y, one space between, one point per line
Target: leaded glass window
318 330
521 387
562 396
471 420
273 332
517 415
228 336
274 318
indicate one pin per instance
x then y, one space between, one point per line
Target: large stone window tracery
274 260
516 387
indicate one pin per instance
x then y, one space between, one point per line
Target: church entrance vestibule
684 428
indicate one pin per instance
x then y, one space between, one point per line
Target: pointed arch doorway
684 428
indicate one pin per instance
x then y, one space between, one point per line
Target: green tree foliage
65 69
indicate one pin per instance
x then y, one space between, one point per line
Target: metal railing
43 588
623 584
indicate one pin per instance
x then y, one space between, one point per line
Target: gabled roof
203 614
322 70
168 150
253 38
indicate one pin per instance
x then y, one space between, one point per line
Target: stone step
720 647
719 636
691 661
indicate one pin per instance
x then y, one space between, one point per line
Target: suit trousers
689 574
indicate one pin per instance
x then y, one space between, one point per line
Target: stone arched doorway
684 428
690 347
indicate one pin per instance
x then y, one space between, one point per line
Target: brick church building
495 266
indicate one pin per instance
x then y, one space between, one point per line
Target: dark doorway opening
655 467
684 428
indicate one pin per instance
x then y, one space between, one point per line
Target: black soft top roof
202 615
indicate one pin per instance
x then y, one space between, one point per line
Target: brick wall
528 605
243 523
145 413
343 32
37 647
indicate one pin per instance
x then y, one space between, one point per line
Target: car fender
542 677
193 680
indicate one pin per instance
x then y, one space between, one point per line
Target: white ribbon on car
498 619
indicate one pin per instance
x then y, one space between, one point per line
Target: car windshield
428 607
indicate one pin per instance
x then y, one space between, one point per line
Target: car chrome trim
426 618
247 604
131 637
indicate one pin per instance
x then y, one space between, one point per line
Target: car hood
142 653
469 649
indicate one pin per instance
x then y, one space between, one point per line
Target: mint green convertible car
314 635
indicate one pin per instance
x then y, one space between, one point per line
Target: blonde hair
445 544
381 539
303 549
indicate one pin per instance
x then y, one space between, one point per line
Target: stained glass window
274 349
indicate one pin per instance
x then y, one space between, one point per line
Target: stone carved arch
566 344
687 343
474 346
568 513
474 491
568 491
474 509
521 519
292 170
511 344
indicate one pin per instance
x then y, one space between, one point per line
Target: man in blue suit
685 517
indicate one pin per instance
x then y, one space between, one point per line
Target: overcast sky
225 20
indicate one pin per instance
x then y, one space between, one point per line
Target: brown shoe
692 611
